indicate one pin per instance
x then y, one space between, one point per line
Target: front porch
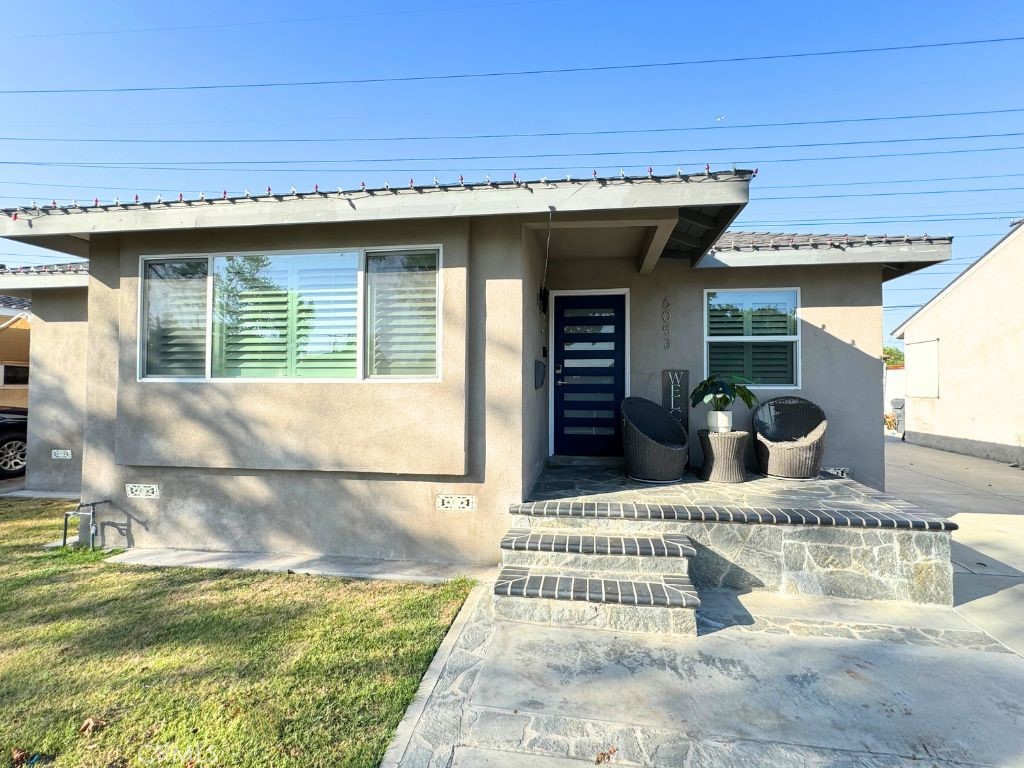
594 548
827 500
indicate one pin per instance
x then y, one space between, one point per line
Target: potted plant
721 391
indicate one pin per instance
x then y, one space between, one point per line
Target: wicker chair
789 437
653 442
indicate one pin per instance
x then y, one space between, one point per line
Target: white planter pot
719 421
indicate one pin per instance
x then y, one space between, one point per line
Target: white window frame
798 363
3 374
360 377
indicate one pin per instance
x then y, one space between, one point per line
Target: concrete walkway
771 681
836 684
986 499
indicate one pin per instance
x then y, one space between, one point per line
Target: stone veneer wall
865 563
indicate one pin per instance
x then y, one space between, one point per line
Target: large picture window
754 334
291 315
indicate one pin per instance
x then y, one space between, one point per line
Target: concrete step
590 553
626 603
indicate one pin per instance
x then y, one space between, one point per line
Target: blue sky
100 44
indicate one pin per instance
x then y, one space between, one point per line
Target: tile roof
766 241
15 302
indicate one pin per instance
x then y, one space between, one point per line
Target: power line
747 162
902 306
889 194
520 72
976 177
525 135
754 198
887 219
603 153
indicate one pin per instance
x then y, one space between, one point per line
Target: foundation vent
60 454
141 491
449 502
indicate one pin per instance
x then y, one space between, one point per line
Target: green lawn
200 668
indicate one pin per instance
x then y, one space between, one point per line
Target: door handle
559 382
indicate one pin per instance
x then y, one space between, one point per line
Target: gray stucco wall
841 342
535 400
462 436
57 386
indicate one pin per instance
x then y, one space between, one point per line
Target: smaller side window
174 317
753 334
15 375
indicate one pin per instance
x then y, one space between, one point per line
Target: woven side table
723 456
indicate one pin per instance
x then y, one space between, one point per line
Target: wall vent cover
60 454
141 491
448 502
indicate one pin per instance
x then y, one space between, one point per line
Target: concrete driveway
986 499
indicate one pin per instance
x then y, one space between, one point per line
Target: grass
199 668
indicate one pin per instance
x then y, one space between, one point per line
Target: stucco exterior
346 468
967 337
56 394
841 342
356 467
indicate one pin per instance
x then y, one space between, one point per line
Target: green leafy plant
892 355
720 391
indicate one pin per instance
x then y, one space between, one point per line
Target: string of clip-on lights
342 192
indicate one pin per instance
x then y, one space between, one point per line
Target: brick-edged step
594 553
650 604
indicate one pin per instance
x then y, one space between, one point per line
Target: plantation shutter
724 318
401 290
285 316
751 314
175 317
326 306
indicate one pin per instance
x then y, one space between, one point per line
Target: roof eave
52 227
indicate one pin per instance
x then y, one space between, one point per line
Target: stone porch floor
610 484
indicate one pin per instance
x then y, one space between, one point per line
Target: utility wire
887 194
522 72
753 198
977 177
608 153
747 162
536 135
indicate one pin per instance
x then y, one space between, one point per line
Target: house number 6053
666 322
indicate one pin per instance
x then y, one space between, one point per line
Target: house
960 348
382 372
14 345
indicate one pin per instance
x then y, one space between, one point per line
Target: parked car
13 428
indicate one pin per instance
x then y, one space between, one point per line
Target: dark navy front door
589 376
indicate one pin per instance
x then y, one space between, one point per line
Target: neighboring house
55 391
382 372
963 355
894 387
14 346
